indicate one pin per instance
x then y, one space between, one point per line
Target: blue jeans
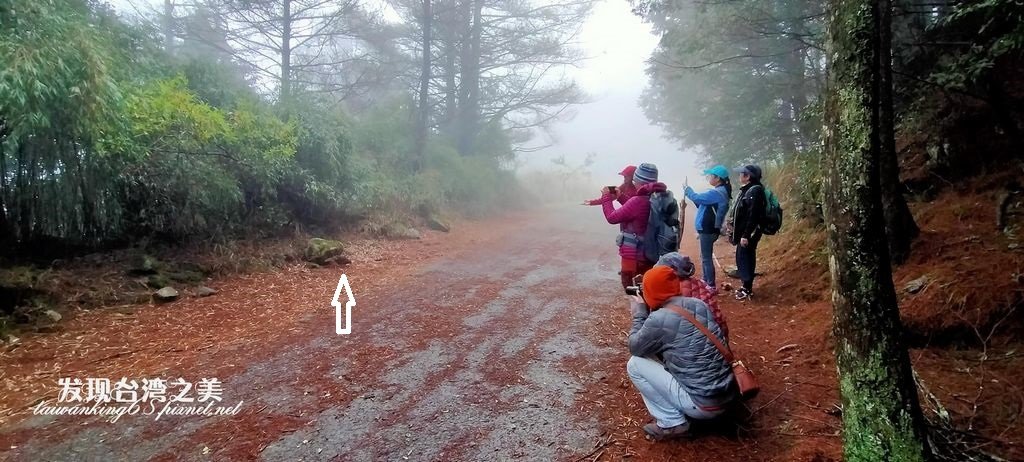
707 256
667 402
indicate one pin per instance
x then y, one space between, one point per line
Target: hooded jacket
632 216
688 354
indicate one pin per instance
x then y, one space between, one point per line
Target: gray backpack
662 234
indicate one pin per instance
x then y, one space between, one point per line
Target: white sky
613 125
617 44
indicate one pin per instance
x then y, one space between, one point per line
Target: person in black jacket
746 232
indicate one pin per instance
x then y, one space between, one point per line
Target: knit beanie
645 173
680 264
660 284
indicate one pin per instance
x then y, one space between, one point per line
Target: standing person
712 207
746 231
632 220
678 371
624 191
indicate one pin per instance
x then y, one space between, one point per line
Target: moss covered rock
321 251
437 224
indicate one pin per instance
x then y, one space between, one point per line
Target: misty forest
182 182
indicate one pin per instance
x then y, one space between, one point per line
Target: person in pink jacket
624 191
632 220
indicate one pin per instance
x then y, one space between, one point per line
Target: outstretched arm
709 197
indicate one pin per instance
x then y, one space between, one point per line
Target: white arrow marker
336 303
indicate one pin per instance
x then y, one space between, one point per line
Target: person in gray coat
676 368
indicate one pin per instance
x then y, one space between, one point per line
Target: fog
617 45
613 125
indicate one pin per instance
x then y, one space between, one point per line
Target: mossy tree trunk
881 414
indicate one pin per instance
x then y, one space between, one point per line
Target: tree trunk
469 107
25 188
793 72
168 25
450 88
5 226
286 52
423 118
807 128
90 223
881 415
900 228
448 32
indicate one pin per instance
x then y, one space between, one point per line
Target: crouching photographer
681 364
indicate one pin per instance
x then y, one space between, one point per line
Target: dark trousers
746 262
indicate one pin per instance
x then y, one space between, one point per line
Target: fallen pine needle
599 447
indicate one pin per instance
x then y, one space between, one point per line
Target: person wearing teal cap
712 206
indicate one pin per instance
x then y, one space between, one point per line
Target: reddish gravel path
503 340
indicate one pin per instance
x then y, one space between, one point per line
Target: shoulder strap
704 330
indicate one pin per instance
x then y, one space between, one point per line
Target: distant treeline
223 118
743 82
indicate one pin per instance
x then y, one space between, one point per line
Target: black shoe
743 294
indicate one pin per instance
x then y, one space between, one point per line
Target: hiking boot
743 294
660 434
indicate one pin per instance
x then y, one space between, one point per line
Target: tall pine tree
881 414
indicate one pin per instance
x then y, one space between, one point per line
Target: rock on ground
204 291
166 294
436 224
53 315
319 250
916 285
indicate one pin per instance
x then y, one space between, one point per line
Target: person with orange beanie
678 371
661 286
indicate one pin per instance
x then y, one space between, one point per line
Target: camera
636 288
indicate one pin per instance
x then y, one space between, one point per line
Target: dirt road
502 340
